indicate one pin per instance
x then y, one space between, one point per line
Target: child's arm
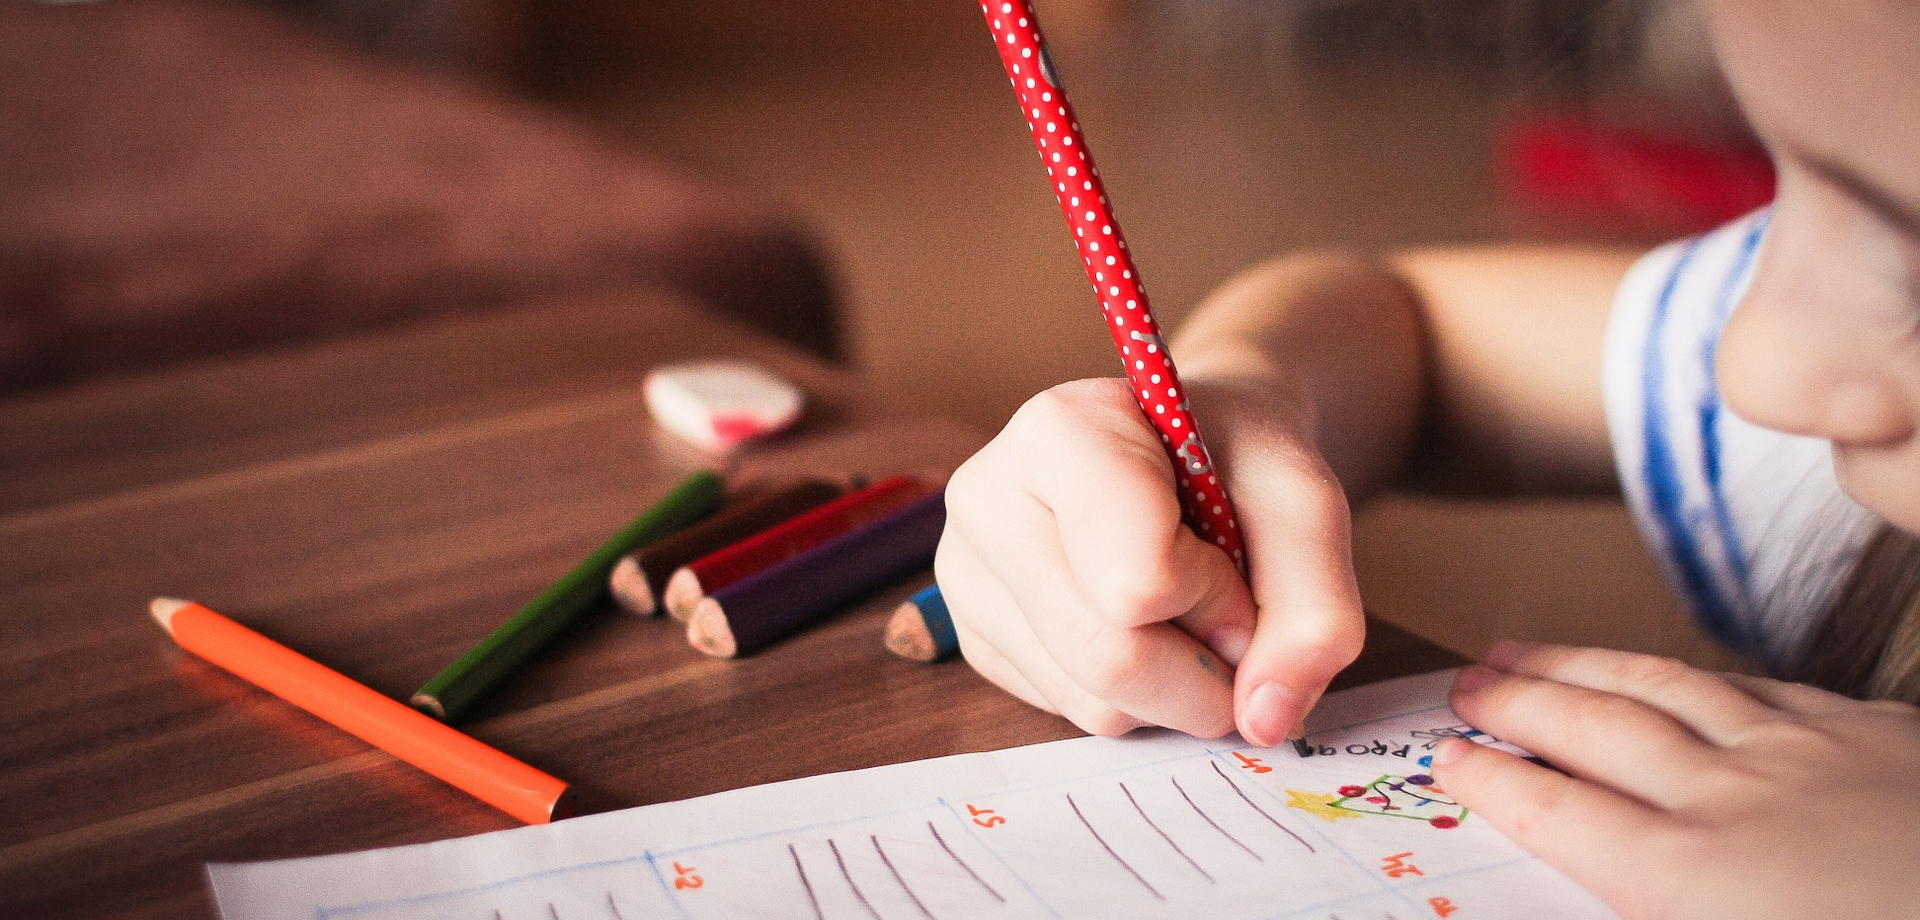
1072 580
1469 369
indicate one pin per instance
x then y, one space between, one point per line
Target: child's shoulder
1750 524
1685 289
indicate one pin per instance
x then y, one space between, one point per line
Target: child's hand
1074 584
1694 795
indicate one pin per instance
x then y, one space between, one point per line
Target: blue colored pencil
922 629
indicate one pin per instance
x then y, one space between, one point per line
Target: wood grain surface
380 504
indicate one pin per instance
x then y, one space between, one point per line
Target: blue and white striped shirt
1749 523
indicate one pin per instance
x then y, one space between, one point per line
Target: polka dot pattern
1063 151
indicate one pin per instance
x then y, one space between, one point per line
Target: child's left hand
1694 795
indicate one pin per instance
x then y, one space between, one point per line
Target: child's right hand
1075 585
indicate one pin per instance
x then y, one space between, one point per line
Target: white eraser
718 404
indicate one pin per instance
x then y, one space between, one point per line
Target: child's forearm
1462 370
1331 341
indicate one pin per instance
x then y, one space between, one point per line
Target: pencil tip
1301 747
907 634
628 585
429 704
683 593
709 631
163 609
564 806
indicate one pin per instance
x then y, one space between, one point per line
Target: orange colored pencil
467 764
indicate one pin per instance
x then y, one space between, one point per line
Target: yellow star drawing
1318 804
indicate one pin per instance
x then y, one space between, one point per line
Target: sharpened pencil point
566 806
1301 747
709 631
428 704
629 587
683 594
907 634
922 629
163 609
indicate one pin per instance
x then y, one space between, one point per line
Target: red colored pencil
756 612
721 568
1096 232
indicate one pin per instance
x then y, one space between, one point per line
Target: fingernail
1506 653
1230 643
1473 677
1271 712
1450 750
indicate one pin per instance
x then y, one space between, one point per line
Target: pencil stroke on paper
1165 836
895 870
851 884
1109 848
800 868
935 831
1156 826
1175 780
1260 811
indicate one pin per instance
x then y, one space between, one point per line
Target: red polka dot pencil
1116 282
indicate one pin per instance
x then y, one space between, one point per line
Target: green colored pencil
449 694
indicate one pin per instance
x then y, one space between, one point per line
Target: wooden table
379 504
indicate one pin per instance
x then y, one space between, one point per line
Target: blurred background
184 178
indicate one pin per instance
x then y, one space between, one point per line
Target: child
1323 378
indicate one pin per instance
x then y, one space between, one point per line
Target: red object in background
1631 178
1116 283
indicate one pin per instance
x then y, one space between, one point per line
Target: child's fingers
965 593
1090 669
1711 707
1604 737
1136 561
987 660
1800 699
1062 697
999 643
1603 840
1118 517
1156 672
1309 622
1073 510
1118 512
1222 619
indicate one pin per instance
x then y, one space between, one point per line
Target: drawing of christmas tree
1391 796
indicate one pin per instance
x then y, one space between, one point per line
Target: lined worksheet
1152 826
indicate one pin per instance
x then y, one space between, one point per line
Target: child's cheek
1885 480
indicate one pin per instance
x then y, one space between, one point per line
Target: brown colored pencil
640 577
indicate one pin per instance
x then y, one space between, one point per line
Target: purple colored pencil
758 611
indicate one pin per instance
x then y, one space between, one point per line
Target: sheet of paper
1159 825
